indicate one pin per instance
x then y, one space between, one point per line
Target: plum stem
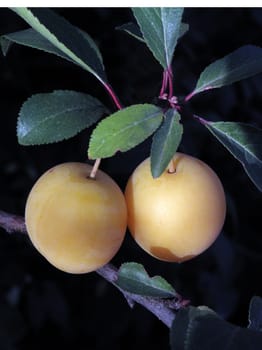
164 309
95 168
171 166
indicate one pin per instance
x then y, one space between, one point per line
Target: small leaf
52 117
244 142
31 38
133 278
66 38
124 130
160 27
165 142
255 314
240 64
134 30
201 329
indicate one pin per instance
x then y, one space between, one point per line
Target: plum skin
176 216
77 223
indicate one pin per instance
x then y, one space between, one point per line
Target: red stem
113 95
189 96
167 84
164 83
201 120
170 81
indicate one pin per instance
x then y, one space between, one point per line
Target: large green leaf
165 142
133 278
52 117
65 37
240 64
255 314
134 30
244 142
160 27
124 130
199 328
31 38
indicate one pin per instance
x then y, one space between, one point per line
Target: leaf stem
113 95
201 120
170 82
167 84
161 308
189 96
164 83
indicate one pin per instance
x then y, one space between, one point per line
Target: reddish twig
161 308
12 223
113 95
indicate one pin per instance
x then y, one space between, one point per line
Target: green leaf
133 278
184 28
31 38
134 30
68 39
244 142
255 314
160 27
55 116
124 130
201 329
240 64
165 142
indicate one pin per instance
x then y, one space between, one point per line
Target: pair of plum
78 223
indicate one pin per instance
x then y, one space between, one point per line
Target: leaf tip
155 172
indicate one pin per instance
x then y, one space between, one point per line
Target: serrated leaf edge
234 141
112 115
77 130
67 51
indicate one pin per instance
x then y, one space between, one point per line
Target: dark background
42 307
